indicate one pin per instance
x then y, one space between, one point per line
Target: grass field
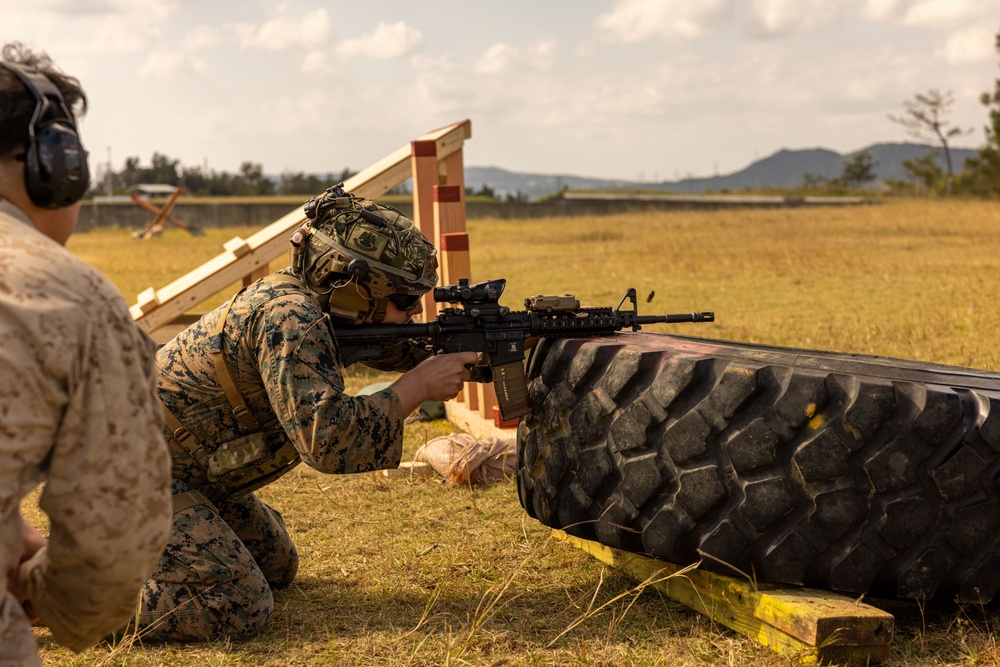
398 572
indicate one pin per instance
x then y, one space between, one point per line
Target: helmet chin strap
380 308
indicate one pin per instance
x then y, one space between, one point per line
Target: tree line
250 180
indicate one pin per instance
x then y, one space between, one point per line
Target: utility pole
109 181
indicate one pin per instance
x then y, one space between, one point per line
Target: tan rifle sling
246 420
244 464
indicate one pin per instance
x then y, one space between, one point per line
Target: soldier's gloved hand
437 378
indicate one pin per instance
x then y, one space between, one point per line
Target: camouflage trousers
216 573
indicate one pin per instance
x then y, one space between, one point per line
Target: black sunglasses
405 301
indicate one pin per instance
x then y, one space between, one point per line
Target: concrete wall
206 215
127 215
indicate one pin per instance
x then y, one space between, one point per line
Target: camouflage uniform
77 412
216 574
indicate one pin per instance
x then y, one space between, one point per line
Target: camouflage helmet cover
354 239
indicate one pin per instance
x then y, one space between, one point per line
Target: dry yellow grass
416 573
914 279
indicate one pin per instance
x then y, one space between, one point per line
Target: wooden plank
815 626
147 300
450 138
411 470
237 246
208 279
272 241
472 422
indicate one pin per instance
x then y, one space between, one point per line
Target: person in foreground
255 386
77 396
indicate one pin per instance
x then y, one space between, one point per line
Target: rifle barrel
675 318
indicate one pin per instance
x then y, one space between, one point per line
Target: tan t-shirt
77 412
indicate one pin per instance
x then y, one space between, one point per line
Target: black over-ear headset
55 167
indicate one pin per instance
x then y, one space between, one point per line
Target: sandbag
464 460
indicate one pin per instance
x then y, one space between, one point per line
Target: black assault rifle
481 324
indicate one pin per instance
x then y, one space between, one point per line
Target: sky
644 90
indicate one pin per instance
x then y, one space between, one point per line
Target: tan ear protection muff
56 172
350 302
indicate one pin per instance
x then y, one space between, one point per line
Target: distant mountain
785 169
505 182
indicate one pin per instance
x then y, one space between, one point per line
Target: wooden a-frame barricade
435 163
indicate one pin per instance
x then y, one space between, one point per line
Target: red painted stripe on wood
426 148
456 241
447 193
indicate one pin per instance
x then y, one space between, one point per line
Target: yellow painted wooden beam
815 626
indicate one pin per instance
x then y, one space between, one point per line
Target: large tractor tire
859 474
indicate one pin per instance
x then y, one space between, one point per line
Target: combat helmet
358 255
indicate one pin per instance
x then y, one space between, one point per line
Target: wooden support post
453 243
454 265
424 168
449 233
470 396
815 626
487 400
454 257
452 170
256 275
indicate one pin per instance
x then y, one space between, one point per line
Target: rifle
482 325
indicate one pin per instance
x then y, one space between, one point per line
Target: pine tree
984 169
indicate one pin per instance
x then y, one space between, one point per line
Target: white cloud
91 27
928 13
884 10
504 57
157 9
968 46
202 37
641 20
285 31
164 65
316 62
780 17
389 40
113 33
